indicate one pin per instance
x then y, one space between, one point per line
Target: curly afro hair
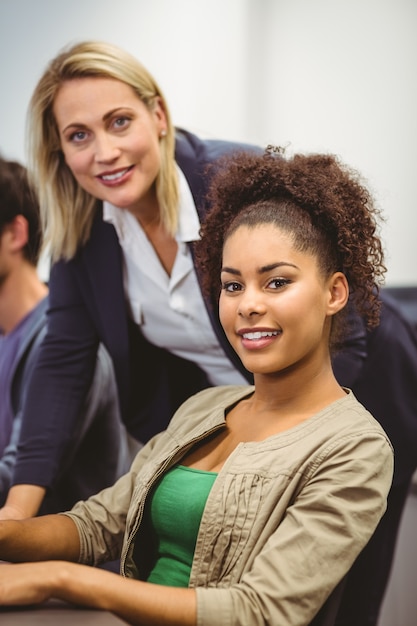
318 200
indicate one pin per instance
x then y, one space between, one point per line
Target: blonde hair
67 210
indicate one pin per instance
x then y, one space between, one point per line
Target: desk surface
55 613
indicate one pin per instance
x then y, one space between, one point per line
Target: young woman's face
275 305
110 140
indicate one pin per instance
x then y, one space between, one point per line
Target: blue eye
78 136
121 122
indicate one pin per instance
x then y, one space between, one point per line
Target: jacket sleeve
59 383
101 520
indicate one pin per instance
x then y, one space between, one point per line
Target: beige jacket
283 523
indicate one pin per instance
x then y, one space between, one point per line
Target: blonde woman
122 195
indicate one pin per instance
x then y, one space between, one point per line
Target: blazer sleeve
59 383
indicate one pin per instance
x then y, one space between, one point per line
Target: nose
251 303
106 149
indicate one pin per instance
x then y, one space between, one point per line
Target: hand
22 501
27 583
9 511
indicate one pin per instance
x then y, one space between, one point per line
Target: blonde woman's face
110 141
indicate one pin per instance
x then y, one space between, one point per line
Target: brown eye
231 287
278 283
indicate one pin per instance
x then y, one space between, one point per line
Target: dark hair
316 199
17 197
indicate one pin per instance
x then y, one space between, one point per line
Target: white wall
316 75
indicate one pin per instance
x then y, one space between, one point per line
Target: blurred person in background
97 452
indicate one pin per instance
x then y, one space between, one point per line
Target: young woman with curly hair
256 500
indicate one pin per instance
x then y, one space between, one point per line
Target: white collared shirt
170 309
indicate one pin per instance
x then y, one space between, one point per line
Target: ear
16 234
160 116
338 293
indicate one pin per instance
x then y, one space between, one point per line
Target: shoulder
196 156
34 329
345 427
349 427
208 406
355 417
399 309
190 147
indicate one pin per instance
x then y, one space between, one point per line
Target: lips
254 336
115 176
258 339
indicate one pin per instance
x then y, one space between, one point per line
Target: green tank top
173 514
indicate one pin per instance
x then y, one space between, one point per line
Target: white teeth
114 176
259 335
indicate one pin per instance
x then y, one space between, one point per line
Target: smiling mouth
115 176
260 335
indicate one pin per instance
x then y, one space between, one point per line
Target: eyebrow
105 117
262 270
77 125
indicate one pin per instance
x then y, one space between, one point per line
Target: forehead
93 96
263 245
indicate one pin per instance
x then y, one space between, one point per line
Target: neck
148 211
302 392
20 292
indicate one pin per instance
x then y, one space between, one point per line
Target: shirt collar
188 220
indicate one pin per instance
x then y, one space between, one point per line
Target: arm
39 539
134 601
57 537
101 520
22 501
8 460
58 385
